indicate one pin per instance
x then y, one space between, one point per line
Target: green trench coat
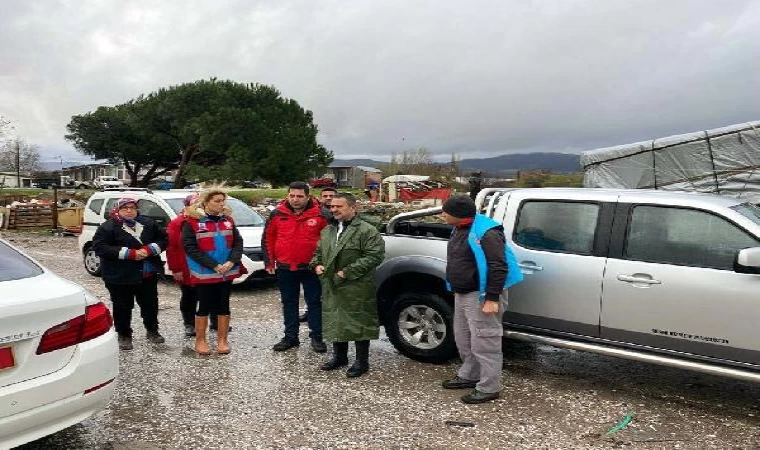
349 308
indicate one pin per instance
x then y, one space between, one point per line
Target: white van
163 206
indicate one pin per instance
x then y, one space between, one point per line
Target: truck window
567 227
684 237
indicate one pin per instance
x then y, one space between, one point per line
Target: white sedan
58 352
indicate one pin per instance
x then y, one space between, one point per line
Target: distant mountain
554 162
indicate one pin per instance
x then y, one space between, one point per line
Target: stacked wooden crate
29 216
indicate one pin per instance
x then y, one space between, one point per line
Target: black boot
361 365
339 357
155 337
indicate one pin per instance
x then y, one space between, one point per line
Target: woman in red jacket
177 262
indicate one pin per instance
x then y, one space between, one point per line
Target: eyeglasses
128 207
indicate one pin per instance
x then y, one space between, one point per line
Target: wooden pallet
30 216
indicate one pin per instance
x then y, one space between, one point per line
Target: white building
9 180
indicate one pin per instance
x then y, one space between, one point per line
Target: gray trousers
478 338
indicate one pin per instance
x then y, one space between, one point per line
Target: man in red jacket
290 239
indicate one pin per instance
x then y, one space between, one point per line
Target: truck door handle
530 265
638 279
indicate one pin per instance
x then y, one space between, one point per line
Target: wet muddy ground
169 398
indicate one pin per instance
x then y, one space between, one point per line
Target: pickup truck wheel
91 262
419 326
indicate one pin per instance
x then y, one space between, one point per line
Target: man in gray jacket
477 273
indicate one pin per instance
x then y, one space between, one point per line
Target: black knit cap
460 206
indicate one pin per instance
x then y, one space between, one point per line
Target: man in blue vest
479 269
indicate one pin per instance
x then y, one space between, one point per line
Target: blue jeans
290 282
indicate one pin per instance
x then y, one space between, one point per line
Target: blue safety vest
479 227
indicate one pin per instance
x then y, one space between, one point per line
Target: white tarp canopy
405 178
725 161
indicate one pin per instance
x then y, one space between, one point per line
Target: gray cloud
479 78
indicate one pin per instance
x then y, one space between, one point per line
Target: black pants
290 283
188 303
214 298
123 297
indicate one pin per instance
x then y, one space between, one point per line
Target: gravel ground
169 398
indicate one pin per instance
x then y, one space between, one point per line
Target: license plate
6 358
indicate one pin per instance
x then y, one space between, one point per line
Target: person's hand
490 307
177 277
270 271
340 274
224 268
141 254
319 270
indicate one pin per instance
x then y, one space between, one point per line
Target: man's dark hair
329 189
300 185
350 199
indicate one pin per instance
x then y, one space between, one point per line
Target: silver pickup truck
663 277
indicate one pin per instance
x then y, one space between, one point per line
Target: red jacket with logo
209 241
290 240
175 254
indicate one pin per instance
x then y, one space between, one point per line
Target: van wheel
420 327
91 261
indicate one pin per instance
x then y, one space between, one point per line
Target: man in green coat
347 255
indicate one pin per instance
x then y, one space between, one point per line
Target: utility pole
18 164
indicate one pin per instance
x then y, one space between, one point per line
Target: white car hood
251 236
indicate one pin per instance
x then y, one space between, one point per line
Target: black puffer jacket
110 239
462 269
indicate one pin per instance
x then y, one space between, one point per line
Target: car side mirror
748 260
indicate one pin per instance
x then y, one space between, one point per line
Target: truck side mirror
748 260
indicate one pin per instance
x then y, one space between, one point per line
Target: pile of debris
18 212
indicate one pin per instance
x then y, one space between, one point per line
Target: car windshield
748 210
243 214
177 204
109 179
15 266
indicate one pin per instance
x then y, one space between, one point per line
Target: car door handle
635 279
529 265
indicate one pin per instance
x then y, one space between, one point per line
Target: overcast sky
480 78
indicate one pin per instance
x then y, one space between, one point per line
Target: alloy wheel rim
91 261
422 327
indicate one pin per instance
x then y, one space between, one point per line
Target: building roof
369 169
362 168
13 174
